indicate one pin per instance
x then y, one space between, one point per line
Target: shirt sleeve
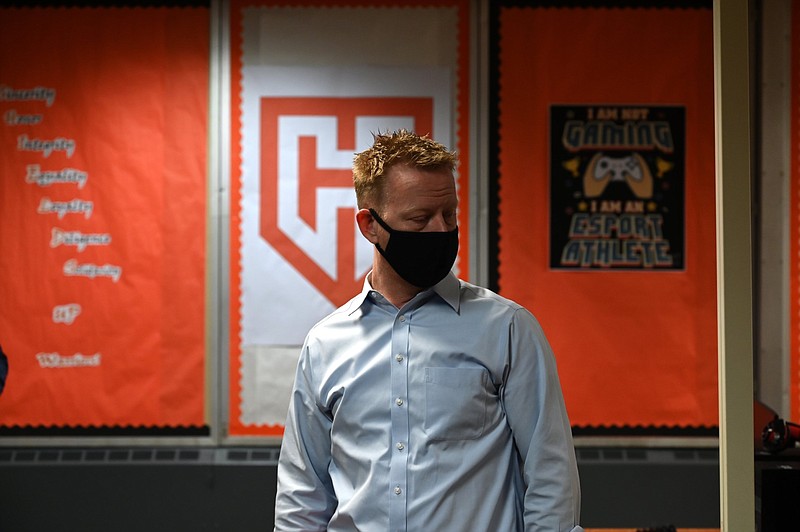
305 498
536 413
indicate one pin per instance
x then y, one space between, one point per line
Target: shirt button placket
399 423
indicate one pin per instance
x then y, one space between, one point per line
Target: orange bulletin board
606 143
103 194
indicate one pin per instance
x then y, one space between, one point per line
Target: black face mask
420 258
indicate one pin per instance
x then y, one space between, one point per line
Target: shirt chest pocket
455 403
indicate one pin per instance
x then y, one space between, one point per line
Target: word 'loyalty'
34 174
66 313
77 239
92 271
12 118
78 360
36 94
46 147
62 208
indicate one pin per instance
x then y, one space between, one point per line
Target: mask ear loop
385 226
380 221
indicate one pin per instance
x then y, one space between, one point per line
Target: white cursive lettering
78 239
78 360
46 147
73 269
36 94
12 118
34 174
66 313
62 208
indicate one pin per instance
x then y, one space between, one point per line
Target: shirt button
398 401
397 490
400 446
402 318
399 357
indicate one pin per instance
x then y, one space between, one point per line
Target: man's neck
390 285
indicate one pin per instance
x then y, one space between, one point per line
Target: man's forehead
406 176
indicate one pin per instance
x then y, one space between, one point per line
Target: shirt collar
449 289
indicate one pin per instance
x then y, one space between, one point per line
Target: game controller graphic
603 169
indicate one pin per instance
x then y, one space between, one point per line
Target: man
425 403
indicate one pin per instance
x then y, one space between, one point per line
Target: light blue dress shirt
444 415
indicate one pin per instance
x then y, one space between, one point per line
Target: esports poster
617 175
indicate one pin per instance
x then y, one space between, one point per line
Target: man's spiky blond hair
391 149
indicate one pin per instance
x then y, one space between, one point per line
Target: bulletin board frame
342 94
170 420
552 294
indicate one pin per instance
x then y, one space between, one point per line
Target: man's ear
366 224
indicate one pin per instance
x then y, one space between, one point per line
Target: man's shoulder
492 309
475 294
342 314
